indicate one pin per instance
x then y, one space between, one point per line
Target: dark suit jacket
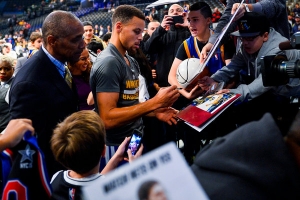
39 93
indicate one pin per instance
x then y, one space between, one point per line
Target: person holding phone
165 43
134 143
81 153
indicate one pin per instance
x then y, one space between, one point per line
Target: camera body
277 69
177 19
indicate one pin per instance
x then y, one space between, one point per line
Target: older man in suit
42 92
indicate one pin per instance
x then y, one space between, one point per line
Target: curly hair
125 13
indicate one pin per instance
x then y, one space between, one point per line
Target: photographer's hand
185 21
167 20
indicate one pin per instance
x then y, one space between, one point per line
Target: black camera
277 69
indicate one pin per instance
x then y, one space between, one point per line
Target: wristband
247 8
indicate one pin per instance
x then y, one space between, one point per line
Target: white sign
163 173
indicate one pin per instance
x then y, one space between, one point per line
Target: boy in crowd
33 46
36 41
78 144
199 18
89 35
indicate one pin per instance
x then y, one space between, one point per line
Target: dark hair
85 74
144 189
78 142
54 25
203 7
87 23
125 13
94 46
106 37
146 37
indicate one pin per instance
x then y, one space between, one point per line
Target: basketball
187 71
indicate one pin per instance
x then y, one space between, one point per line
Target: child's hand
121 149
138 154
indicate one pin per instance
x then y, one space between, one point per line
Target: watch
247 8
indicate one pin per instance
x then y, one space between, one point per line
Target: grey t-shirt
110 73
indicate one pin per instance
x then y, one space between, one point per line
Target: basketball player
115 83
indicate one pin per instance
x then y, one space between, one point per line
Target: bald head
152 27
175 9
63 36
55 26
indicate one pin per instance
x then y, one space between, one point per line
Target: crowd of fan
98 80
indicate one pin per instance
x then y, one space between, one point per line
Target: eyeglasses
249 39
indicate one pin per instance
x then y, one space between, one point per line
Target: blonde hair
7 59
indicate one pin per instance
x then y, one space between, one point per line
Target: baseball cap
297 16
252 24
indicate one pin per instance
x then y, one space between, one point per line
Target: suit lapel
57 80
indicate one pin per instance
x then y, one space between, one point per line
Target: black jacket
165 44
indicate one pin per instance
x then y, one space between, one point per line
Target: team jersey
27 177
68 188
192 51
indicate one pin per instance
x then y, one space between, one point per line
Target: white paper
165 165
200 128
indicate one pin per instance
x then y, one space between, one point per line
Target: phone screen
135 142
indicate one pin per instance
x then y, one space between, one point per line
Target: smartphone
134 143
177 19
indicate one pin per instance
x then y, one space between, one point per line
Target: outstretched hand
14 132
194 93
223 91
240 13
205 51
206 82
167 115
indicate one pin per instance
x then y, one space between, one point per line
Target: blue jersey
192 51
26 176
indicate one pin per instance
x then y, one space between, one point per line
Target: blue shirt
59 65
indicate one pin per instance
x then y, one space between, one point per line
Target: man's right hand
205 51
166 96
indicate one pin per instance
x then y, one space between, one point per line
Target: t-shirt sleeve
181 54
107 75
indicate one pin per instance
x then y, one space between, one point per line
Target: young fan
78 144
